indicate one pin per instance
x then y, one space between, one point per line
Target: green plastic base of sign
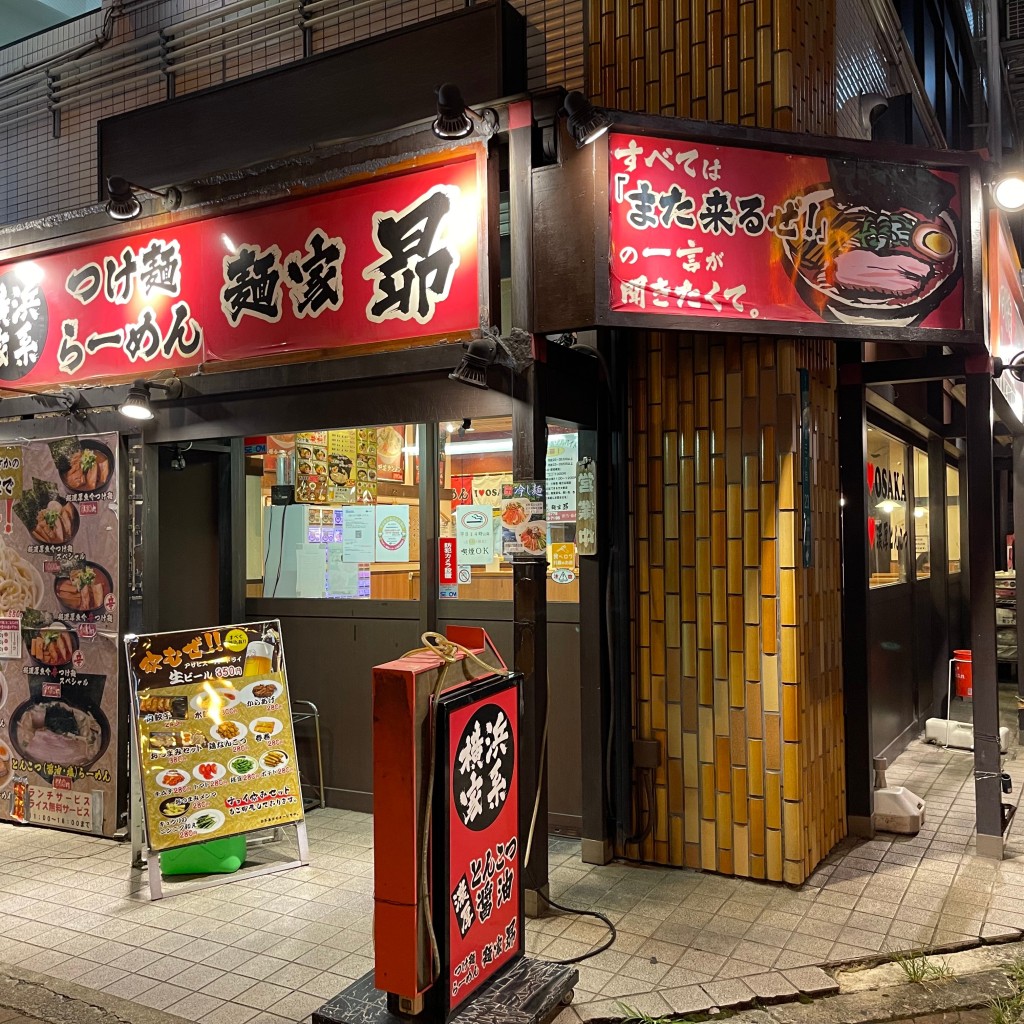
219 856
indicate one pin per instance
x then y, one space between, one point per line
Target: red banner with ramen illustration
730 233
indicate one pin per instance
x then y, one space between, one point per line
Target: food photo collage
58 632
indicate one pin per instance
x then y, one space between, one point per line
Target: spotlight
586 122
178 459
1008 192
124 204
455 120
467 427
136 405
481 351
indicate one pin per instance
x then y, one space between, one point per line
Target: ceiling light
586 122
1008 192
136 405
455 120
124 204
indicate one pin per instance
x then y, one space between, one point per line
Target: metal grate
1015 19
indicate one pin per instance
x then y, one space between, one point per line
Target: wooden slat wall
737 648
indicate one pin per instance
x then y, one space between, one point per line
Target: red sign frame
477 851
388 259
683 171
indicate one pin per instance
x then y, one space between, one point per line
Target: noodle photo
21 585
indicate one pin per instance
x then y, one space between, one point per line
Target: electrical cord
608 943
280 555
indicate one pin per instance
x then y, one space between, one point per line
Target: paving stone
771 987
812 981
688 999
730 993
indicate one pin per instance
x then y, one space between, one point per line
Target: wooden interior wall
737 650
737 665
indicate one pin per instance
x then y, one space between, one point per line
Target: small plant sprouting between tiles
919 968
1010 1009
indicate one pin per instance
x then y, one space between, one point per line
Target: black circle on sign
23 324
482 767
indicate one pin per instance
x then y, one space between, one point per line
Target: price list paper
216 742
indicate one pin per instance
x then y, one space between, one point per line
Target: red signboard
462 490
384 260
482 857
735 234
448 566
1005 307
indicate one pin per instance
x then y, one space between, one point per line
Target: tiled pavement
270 950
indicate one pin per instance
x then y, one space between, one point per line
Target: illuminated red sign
735 234
482 856
387 259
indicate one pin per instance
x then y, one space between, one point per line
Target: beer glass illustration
259 659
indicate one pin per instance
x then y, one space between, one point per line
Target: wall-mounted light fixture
1008 191
136 405
457 121
586 123
124 203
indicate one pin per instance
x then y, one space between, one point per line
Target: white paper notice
474 532
342 576
358 533
392 533
562 455
310 572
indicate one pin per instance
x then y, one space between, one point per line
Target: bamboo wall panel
768 63
737 667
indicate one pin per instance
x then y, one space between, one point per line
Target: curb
55 1001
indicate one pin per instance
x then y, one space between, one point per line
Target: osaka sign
387 259
752 237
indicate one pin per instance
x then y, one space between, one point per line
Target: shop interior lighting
586 123
124 203
481 447
1008 191
137 406
457 121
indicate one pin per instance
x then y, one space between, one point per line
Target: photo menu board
215 736
60 747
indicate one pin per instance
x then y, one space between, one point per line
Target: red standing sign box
478 854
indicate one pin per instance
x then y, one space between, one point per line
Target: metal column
529 576
982 602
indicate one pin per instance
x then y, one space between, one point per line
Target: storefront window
476 460
887 525
953 518
922 532
352 529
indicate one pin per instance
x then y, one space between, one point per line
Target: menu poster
391 454
524 527
366 466
214 727
60 747
341 466
311 481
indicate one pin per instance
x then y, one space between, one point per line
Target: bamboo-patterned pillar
737 660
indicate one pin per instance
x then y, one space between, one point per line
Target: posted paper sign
563 452
524 526
359 533
474 531
392 533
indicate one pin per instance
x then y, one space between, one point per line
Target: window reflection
887 512
922 528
